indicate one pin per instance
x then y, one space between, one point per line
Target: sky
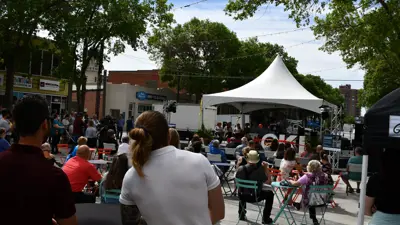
267 20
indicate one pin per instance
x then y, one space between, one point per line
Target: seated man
239 149
357 159
111 139
214 149
260 173
80 172
81 141
124 149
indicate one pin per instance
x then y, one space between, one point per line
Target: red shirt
78 127
79 171
32 190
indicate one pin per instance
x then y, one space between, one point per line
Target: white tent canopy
274 88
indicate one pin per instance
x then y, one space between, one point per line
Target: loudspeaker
300 131
325 115
358 135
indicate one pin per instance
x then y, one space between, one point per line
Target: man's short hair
216 143
125 139
29 113
359 150
5 112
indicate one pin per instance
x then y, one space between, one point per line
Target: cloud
267 20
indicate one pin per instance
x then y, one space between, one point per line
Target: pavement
344 213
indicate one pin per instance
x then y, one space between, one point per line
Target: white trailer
188 116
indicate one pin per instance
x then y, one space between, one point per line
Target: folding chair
230 151
109 196
269 155
354 168
277 163
253 186
63 149
104 151
333 203
318 193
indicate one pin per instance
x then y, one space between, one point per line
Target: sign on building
49 85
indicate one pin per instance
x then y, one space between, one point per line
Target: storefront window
142 108
130 110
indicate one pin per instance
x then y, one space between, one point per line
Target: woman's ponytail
141 148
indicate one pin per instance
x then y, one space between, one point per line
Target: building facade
351 107
132 100
35 74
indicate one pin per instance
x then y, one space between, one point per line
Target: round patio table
99 214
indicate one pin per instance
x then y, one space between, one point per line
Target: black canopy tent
382 128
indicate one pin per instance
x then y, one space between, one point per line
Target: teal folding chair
252 185
322 195
109 196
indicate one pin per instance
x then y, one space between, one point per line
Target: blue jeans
380 218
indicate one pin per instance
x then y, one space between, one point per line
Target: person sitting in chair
111 139
346 176
80 172
260 173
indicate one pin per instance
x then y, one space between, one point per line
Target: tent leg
363 186
243 118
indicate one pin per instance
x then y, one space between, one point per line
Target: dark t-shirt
32 189
254 172
386 200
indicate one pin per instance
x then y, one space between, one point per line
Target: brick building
351 107
143 78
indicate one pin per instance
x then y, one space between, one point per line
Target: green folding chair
108 195
252 185
321 194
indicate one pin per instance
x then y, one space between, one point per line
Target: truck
188 116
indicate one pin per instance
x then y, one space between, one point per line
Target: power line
243 56
188 5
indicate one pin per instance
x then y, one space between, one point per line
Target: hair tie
144 129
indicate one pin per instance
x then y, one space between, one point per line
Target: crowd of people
151 172
156 169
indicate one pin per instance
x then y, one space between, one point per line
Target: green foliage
19 22
365 32
86 26
205 133
349 120
317 86
190 54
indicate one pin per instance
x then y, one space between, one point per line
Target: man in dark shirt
253 171
33 191
79 126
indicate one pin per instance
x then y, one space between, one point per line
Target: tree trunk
99 73
83 94
78 94
9 61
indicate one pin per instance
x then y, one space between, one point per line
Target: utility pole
178 88
104 92
99 79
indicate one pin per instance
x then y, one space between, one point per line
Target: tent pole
363 186
243 119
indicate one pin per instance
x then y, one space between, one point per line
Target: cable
241 57
188 5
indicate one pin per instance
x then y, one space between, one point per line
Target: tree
366 33
88 25
349 120
189 56
317 86
254 58
19 22
200 54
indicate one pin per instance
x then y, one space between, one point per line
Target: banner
49 85
24 82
